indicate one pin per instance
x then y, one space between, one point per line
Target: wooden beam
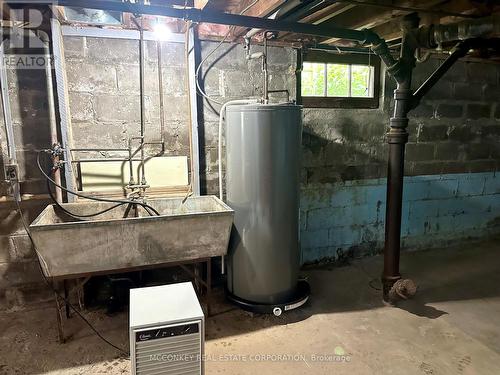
206 30
263 8
392 30
229 6
327 13
200 4
389 31
179 3
5 11
318 17
466 7
237 7
361 17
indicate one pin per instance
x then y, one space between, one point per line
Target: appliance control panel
160 333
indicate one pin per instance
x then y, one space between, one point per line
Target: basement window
340 80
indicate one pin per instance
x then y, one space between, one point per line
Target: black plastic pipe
460 50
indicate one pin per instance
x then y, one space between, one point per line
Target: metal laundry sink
68 247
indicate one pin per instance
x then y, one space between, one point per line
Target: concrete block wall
451 192
103 83
228 75
454 140
348 217
21 282
452 159
30 118
20 279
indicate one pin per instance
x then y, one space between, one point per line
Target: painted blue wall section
437 209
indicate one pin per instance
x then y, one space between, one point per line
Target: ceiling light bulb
162 31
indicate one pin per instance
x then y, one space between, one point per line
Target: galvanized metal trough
68 247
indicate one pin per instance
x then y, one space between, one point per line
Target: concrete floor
452 327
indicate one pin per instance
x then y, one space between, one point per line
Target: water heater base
299 298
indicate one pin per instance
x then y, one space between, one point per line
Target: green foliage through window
337 80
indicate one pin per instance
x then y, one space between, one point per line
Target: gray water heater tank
263 147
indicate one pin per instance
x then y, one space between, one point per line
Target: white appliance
167 330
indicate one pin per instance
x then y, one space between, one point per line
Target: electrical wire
144 205
78 216
82 216
149 212
46 280
197 73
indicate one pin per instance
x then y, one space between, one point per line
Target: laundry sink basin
124 239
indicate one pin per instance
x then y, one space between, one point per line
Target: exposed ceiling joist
407 8
178 3
201 4
320 16
364 17
467 7
260 8
263 8
231 6
5 10
359 18
332 17
227 6
391 30
327 13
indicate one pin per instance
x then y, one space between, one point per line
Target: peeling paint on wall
437 209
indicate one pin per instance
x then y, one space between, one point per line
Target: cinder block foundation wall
103 85
452 189
20 280
228 75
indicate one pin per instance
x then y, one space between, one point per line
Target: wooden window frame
337 101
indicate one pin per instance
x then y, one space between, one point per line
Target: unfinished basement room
250 187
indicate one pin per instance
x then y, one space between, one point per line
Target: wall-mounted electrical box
11 172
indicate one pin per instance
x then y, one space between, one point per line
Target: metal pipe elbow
486 27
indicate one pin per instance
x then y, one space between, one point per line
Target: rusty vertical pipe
397 137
